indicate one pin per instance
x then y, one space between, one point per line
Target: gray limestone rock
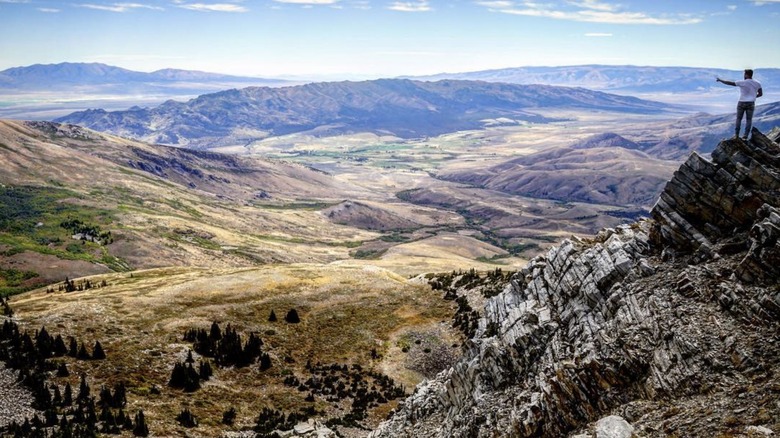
613 427
661 322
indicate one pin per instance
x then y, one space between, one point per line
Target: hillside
592 171
44 92
627 78
402 108
102 78
666 327
164 206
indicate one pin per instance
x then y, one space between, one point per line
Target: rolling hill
102 78
404 108
626 78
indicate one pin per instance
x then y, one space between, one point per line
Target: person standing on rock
749 91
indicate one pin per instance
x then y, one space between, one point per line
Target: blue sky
385 38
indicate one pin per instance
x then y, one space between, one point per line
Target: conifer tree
229 416
272 316
57 398
265 362
62 370
83 389
292 317
204 370
59 347
73 350
186 419
140 428
97 351
83 353
216 333
67 396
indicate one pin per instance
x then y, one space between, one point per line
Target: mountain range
399 107
64 76
625 78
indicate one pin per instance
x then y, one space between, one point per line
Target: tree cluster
490 285
64 414
70 286
227 348
22 351
335 383
87 232
270 420
466 318
186 377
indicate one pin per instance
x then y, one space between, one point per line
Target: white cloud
213 7
499 4
49 10
14 1
592 11
598 34
361 4
593 4
309 2
419 6
732 7
764 2
119 7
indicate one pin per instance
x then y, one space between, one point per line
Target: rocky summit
665 327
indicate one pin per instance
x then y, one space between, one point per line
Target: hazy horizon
361 39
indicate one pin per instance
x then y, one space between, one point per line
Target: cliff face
671 323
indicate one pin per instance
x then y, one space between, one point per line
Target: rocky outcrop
671 323
16 400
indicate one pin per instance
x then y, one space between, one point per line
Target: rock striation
670 323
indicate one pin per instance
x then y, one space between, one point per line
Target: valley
141 246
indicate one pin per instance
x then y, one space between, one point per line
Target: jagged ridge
662 321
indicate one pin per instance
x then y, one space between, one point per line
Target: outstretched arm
726 82
760 92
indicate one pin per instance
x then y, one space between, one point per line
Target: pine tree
216 333
265 362
59 347
189 357
272 316
119 399
73 350
140 428
57 399
83 389
204 370
229 416
186 419
67 397
62 370
292 317
97 351
83 353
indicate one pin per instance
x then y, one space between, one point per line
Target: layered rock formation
671 323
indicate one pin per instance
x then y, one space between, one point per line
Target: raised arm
732 83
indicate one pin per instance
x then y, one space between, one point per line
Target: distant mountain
607 139
636 79
66 75
601 174
400 107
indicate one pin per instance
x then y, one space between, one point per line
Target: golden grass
140 319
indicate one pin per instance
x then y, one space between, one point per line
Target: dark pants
745 108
